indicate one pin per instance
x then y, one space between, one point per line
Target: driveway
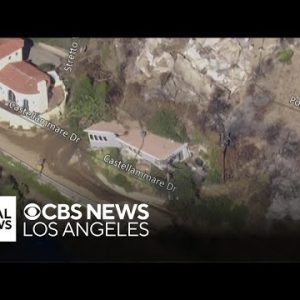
39 55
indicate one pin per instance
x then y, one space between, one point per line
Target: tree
83 93
88 105
220 211
160 175
10 187
185 193
183 180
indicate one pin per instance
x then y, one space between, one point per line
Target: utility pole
226 141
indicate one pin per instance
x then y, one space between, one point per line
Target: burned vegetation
217 111
272 132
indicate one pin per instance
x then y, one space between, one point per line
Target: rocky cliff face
190 70
196 70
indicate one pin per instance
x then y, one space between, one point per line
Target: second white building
144 146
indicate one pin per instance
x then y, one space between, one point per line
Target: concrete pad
39 55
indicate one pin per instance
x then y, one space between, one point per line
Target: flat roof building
144 145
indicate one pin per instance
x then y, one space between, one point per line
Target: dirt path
58 152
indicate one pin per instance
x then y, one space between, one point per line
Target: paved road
39 55
74 180
290 106
64 190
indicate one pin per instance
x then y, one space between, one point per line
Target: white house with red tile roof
134 142
26 85
10 51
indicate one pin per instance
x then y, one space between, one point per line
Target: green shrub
123 182
30 178
106 173
88 104
8 190
158 174
132 161
285 56
214 173
220 210
186 188
165 123
115 153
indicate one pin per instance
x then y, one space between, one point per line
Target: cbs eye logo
32 211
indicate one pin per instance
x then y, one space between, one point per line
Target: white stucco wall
14 120
37 102
12 57
55 76
41 105
112 141
185 152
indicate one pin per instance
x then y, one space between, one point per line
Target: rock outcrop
190 70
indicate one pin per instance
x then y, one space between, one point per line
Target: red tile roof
9 45
22 77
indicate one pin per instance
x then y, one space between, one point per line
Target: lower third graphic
8 219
